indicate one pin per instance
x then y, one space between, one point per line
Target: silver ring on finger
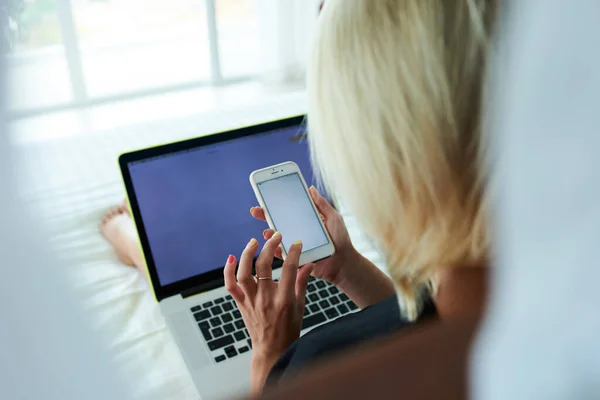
263 278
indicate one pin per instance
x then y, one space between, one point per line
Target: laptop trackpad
191 344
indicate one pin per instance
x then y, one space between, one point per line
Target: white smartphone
282 193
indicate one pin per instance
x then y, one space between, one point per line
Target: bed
68 185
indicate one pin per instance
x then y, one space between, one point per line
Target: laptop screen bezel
213 278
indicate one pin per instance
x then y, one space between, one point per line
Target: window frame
80 95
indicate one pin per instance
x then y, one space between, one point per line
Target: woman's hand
328 269
352 273
272 311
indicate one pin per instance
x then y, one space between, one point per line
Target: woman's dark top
375 321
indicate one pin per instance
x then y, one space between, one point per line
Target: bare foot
117 227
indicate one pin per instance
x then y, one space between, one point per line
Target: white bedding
69 184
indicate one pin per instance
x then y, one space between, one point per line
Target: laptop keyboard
224 331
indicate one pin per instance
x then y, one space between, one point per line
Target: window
237 24
132 45
38 74
64 53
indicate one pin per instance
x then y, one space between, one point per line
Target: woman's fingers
244 274
289 270
302 282
264 262
258 213
278 252
321 202
230 283
268 233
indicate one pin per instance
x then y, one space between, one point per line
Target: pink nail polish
230 259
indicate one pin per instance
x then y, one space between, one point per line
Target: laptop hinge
217 283
204 287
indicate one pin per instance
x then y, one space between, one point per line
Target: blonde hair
395 116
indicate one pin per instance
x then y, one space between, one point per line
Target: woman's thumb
321 202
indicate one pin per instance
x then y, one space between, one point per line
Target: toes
106 217
113 212
123 209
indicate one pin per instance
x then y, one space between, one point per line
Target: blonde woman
396 101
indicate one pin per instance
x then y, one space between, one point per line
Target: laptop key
197 308
206 333
324 304
306 312
221 342
228 328
314 308
334 300
311 287
227 307
217 332
343 297
313 320
313 297
220 358
239 335
320 284
323 294
204 325
207 304
216 321
219 300
202 315
227 317
228 297
250 343
230 351
351 305
332 313
236 314
240 324
333 290
216 310
343 309
311 278
243 349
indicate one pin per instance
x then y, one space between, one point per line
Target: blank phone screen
292 213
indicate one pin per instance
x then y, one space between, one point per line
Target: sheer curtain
286 32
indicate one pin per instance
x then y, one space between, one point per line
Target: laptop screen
195 203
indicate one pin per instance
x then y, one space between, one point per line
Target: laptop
190 201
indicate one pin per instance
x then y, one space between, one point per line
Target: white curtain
286 32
